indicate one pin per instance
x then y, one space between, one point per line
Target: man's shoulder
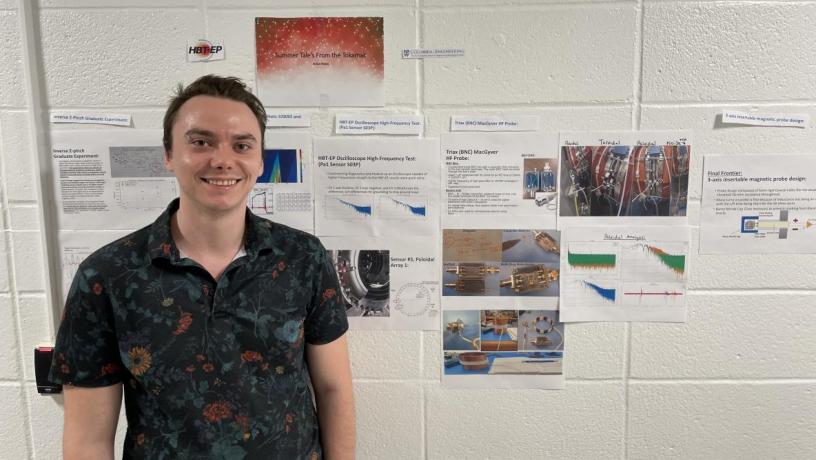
126 252
285 237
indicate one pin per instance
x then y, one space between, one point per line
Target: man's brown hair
212 85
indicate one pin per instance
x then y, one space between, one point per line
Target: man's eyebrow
200 132
244 137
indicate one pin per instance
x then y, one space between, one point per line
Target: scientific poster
283 192
105 179
377 212
622 178
502 349
387 282
617 273
500 268
505 179
320 61
377 187
760 204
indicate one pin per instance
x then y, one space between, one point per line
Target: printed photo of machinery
502 342
540 175
501 263
364 278
624 180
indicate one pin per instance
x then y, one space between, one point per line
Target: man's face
217 153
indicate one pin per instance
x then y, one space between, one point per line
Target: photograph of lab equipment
364 277
520 279
507 363
539 181
540 330
532 246
470 279
499 330
624 180
461 330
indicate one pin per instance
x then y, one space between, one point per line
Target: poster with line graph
283 192
624 273
402 207
376 187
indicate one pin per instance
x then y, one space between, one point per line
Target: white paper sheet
761 204
624 273
283 193
108 179
387 282
499 180
377 187
623 178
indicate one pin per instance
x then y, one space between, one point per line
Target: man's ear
168 160
261 166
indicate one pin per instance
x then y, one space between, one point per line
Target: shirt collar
259 235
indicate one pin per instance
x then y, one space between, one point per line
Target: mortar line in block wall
419 65
637 84
627 366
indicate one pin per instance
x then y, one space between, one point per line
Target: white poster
624 178
387 282
377 187
377 212
108 179
499 180
283 192
760 204
624 273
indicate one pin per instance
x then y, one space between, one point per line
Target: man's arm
91 415
331 379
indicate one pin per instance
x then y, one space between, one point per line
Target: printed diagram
364 278
624 180
143 194
348 208
262 201
625 273
782 226
402 208
138 161
487 342
500 263
282 166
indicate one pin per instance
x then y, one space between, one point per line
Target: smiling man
220 325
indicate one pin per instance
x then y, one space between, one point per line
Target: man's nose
222 157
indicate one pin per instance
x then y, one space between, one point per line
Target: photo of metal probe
470 277
530 277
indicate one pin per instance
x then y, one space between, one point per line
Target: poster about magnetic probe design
320 61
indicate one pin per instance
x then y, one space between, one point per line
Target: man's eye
243 146
198 142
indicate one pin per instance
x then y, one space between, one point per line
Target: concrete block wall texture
737 380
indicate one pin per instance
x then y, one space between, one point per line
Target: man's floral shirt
210 369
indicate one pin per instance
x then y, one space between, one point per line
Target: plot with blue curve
349 207
402 208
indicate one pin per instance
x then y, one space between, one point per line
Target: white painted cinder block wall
738 380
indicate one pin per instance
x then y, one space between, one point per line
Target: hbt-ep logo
204 50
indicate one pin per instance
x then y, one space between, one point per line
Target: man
214 320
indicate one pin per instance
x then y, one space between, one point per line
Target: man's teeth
222 182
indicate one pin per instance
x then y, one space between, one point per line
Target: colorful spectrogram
280 167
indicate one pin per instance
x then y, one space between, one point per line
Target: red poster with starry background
320 61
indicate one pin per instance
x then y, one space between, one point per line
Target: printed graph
281 166
592 258
144 194
653 294
590 292
402 208
138 161
348 208
262 201
653 261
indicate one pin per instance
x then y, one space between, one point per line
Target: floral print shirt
211 369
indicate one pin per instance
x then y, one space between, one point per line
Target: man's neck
205 235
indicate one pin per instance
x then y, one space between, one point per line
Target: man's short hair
212 85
